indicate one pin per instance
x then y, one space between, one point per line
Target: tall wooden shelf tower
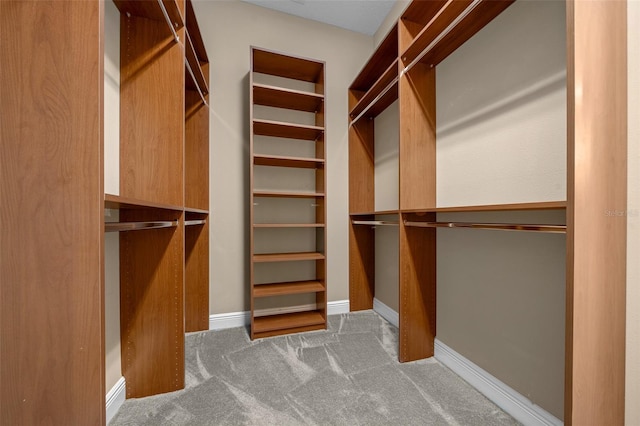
310 102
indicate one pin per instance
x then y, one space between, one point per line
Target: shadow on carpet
346 375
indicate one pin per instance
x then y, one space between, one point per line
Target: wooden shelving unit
311 102
164 175
426 33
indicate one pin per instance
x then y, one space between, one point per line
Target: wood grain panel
544 205
196 278
361 267
286 130
51 186
152 120
361 166
295 287
152 305
288 321
417 291
376 90
283 65
382 58
417 93
194 32
285 161
596 212
196 151
286 98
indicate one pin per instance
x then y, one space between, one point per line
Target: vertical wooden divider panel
417 290
196 147
361 166
361 267
417 190
596 212
196 276
51 186
151 112
152 305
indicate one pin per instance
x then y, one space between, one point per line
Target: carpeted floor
346 375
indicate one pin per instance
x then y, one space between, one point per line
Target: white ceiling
363 16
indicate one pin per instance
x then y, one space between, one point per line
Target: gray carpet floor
346 375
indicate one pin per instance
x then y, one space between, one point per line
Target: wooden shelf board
280 289
285 98
284 161
282 65
284 194
378 87
117 202
197 211
288 321
287 257
477 19
194 32
546 205
380 212
286 130
288 225
422 12
151 10
384 56
192 59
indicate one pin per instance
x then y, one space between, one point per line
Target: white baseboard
512 402
386 312
115 398
517 405
241 319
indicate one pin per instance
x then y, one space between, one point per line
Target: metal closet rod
443 34
554 229
195 222
374 222
375 100
186 63
166 17
136 226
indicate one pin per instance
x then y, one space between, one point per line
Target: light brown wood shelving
117 202
152 10
287 257
286 130
196 68
309 102
278 289
284 194
425 34
381 94
284 161
287 98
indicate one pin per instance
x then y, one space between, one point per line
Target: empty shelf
384 56
382 94
288 225
286 130
287 257
137 226
283 161
279 289
545 205
281 65
380 212
117 202
288 321
152 10
555 229
285 194
286 98
194 76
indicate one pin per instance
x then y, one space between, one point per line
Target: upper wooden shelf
152 10
194 33
286 98
288 225
281 65
380 212
117 202
287 194
384 56
376 100
196 68
286 130
449 27
287 257
195 211
284 161
546 205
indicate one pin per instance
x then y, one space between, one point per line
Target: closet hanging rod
176 38
195 222
186 63
375 100
374 222
443 34
554 229
136 226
